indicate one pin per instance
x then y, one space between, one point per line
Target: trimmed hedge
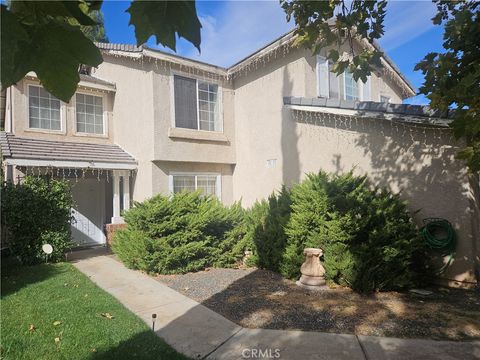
37 212
178 234
368 237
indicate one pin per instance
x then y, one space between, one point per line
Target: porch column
116 219
126 190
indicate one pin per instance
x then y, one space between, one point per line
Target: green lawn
55 312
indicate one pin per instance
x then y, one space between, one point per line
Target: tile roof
373 106
17 147
119 47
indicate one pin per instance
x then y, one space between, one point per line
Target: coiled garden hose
440 236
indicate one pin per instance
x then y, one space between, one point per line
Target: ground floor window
208 184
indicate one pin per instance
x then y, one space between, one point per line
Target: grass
53 311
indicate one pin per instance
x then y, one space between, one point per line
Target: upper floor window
208 184
384 99
196 104
89 109
44 109
351 86
343 86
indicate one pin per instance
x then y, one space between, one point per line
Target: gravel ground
263 299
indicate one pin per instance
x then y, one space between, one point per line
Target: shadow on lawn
144 345
15 277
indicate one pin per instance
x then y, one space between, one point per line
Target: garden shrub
368 237
182 233
132 247
268 219
36 212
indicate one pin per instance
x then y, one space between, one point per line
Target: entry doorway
88 212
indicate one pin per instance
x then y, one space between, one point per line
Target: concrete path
200 333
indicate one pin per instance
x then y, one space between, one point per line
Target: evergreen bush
368 237
178 234
37 212
267 220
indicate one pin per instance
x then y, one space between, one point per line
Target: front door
88 211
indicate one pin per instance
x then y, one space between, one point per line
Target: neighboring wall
419 163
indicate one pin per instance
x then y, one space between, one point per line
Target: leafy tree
452 78
334 23
96 32
46 37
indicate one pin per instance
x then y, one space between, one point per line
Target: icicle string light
336 127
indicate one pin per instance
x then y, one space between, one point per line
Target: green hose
440 236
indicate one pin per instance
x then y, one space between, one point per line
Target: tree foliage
95 32
53 38
322 24
452 78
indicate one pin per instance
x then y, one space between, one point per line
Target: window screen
185 102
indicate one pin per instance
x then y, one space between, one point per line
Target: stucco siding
133 116
418 163
216 147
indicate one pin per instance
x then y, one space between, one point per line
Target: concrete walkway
201 333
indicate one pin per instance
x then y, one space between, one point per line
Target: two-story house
146 122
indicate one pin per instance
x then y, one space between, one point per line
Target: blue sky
234 29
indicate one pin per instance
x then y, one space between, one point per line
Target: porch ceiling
24 151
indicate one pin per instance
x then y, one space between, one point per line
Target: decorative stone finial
313 273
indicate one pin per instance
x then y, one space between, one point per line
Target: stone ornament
313 273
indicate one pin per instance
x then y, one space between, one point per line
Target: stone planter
313 273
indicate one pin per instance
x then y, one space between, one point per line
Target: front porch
100 177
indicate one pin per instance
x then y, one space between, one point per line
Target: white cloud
405 21
236 30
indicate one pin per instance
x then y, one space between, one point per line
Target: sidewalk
199 332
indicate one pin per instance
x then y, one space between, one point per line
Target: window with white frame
384 99
196 104
43 109
208 184
89 109
351 86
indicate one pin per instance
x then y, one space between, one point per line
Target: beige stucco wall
144 124
68 116
188 145
419 164
133 113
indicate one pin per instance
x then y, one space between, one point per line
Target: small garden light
154 317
